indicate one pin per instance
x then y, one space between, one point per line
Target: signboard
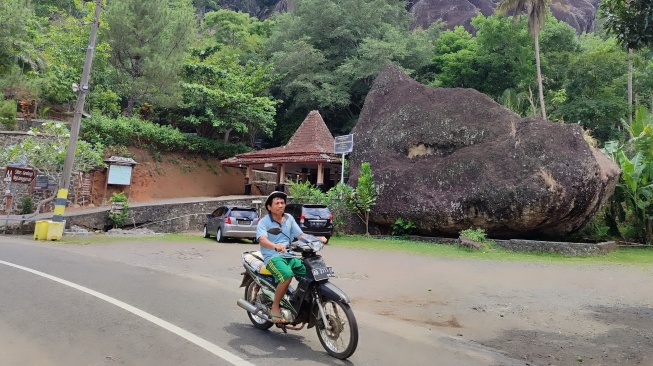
343 144
120 174
20 175
44 183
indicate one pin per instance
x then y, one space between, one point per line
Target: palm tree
631 22
536 12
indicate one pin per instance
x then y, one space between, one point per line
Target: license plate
244 222
317 224
322 273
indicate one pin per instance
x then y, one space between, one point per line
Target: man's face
277 206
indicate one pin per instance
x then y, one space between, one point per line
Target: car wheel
254 241
327 238
218 236
206 232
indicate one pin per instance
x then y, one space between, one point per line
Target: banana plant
635 158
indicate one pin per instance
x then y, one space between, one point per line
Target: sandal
278 319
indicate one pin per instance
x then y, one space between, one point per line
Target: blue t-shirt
289 227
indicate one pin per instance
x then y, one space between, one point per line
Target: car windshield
244 214
322 212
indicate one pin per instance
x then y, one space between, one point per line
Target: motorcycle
315 302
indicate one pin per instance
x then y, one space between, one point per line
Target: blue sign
343 144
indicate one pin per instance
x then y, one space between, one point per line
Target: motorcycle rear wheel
251 290
341 340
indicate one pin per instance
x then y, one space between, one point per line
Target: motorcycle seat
255 260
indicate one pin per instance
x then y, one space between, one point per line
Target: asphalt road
174 304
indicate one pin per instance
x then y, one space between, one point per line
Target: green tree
149 42
17 36
593 87
365 195
536 12
222 96
64 44
47 152
632 23
328 53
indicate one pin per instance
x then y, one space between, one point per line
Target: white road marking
224 354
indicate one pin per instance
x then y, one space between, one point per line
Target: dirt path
539 312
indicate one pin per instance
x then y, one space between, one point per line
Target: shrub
119 216
26 205
478 235
131 131
306 193
8 110
403 227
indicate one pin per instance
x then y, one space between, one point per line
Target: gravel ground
540 312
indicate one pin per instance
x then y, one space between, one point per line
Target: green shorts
284 268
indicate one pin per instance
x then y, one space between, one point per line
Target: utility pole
62 194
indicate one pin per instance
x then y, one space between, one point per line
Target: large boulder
451 159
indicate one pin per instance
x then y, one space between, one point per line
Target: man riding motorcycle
281 263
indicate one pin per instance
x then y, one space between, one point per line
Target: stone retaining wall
163 218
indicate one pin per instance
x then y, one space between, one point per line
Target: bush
478 235
131 131
8 110
26 205
403 227
119 216
306 193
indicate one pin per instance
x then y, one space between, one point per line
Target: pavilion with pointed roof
308 156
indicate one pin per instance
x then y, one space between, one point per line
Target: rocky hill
580 14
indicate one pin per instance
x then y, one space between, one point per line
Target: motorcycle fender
246 280
331 291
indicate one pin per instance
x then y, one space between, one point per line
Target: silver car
232 222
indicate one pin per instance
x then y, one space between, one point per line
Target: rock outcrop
580 14
451 159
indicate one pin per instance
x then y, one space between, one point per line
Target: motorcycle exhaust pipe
252 309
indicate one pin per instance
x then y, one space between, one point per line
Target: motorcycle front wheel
341 340
251 291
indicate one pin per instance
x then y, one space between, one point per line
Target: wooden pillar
248 181
320 176
281 178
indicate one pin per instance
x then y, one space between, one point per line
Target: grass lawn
627 256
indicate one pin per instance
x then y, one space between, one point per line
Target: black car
313 219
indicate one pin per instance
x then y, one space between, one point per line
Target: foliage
8 113
363 198
635 159
403 227
222 96
26 205
478 235
130 131
47 152
327 54
64 44
305 192
119 215
44 150
630 21
338 204
18 33
536 12
149 53
594 87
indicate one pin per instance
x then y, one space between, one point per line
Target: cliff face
580 14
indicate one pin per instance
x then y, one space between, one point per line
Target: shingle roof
312 142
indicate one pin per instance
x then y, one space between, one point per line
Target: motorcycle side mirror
274 230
